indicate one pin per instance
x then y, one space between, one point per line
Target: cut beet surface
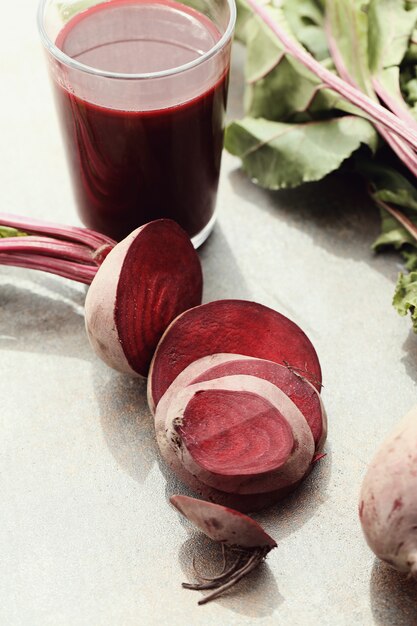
297 388
245 434
143 284
237 434
234 326
229 527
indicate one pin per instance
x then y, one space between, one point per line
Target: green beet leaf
277 155
391 26
306 20
390 187
278 87
347 28
405 296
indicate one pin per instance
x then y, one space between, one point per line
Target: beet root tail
246 562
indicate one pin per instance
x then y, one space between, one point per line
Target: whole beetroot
388 500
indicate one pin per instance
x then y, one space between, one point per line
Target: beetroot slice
298 389
238 433
232 529
223 524
235 326
143 284
242 502
192 372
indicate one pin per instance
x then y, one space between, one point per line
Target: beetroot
235 326
142 285
240 533
238 435
388 500
137 286
299 390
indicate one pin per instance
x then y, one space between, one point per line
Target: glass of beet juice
141 90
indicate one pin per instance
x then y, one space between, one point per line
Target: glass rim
73 63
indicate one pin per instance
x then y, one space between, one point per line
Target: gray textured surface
86 534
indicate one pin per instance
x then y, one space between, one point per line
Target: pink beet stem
47 246
406 223
84 236
403 150
371 108
67 269
397 106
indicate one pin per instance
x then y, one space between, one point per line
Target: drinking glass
141 90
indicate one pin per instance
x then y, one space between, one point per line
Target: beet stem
403 150
61 267
75 234
406 223
373 109
48 246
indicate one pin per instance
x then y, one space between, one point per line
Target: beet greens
339 78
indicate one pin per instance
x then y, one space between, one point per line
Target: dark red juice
141 149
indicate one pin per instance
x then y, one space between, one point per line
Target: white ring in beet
146 281
388 500
256 454
235 326
304 395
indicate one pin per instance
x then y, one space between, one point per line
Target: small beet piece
388 500
297 388
237 434
239 533
235 326
146 281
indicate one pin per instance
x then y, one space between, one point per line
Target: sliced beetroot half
146 281
238 434
235 326
239 533
297 388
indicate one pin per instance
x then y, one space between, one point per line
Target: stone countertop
86 534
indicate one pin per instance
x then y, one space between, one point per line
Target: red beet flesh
235 435
298 389
237 327
146 281
244 434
